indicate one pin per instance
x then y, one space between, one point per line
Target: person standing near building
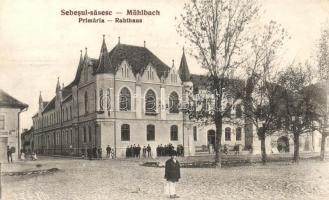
148 149
9 155
172 174
108 151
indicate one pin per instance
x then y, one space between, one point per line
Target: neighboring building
27 140
10 108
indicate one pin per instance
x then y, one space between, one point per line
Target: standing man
108 151
9 155
172 174
148 149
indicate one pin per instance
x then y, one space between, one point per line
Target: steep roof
104 64
183 71
8 101
138 58
50 105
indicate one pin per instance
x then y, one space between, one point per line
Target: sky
38 44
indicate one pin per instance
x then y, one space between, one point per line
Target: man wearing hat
172 174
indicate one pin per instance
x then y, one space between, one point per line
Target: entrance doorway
283 144
211 137
3 148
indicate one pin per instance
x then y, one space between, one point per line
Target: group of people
134 151
169 149
93 153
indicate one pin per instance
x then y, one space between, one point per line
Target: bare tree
217 32
322 58
262 91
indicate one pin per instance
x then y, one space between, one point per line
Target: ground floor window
150 133
195 133
227 134
238 134
125 132
2 122
173 133
84 134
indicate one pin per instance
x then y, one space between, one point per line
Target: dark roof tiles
8 101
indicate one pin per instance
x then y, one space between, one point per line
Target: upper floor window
125 132
125 71
2 122
173 103
150 74
173 133
108 99
150 132
228 134
238 111
238 134
125 100
101 102
150 102
86 103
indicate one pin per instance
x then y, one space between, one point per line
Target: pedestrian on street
172 174
138 149
99 152
144 152
108 151
148 149
9 155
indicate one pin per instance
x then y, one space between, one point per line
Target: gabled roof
234 86
183 71
138 58
8 101
50 105
45 103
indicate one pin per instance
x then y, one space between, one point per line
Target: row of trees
226 38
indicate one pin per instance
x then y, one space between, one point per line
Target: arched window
150 132
150 102
101 102
108 99
228 134
125 132
67 113
173 133
238 111
84 134
173 103
125 100
238 134
86 102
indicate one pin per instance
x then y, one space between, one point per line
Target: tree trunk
263 149
296 147
218 156
323 146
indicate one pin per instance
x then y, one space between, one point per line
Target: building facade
10 109
129 96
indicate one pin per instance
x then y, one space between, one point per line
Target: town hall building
129 96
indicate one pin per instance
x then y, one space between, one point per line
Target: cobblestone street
126 179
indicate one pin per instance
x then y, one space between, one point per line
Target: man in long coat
172 174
